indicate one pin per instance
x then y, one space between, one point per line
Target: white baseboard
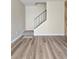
49 34
16 38
20 35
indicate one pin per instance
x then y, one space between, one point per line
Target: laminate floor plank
27 52
20 51
42 47
62 39
59 46
59 52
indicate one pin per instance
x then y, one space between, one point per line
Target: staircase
40 19
28 34
37 22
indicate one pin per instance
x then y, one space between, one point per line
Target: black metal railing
40 19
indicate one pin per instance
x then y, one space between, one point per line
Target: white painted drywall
54 25
31 13
17 18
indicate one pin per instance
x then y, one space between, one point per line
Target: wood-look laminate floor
40 47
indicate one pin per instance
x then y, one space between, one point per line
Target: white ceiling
32 2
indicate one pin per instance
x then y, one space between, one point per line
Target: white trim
17 38
49 34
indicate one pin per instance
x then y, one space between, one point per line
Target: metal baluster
40 19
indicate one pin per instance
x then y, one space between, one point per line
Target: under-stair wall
54 25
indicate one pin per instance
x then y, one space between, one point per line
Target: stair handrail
38 18
40 14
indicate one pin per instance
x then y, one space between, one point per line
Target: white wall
31 13
55 20
17 18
